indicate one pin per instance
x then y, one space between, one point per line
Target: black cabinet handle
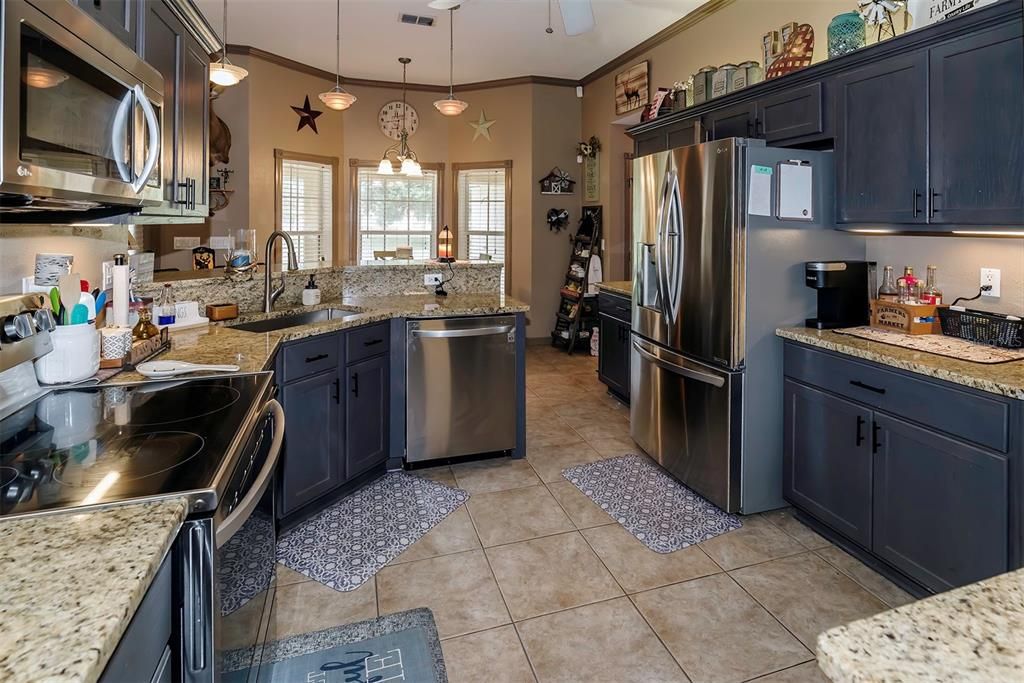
861 385
192 197
313 359
917 195
875 444
758 126
931 202
337 390
183 186
860 430
355 384
373 342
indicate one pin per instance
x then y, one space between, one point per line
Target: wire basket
984 328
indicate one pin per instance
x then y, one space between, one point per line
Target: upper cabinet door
791 114
732 122
162 49
194 141
977 130
882 142
117 16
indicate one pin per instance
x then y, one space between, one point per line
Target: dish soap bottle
311 294
165 312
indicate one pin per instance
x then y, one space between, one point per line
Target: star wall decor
307 116
482 126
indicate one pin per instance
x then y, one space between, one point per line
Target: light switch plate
222 242
432 279
990 276
186 242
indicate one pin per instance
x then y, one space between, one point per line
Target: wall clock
390 119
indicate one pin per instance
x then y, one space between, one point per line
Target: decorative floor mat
347 543
940 345
663 514
396 647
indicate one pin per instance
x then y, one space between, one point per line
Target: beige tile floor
533 582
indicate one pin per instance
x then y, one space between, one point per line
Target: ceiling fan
577 15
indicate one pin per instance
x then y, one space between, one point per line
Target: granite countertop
623 287
70 584
1006 379
972 634
254 351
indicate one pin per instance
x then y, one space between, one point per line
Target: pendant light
451 106
408 163
337 98
224 72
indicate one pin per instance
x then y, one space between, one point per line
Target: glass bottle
932 294
888 291
165 314
145 328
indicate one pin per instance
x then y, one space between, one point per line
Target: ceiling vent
416 20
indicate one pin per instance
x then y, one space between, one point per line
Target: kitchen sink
294 320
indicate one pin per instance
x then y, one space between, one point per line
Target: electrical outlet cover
186 242
432 279
991 276
222 242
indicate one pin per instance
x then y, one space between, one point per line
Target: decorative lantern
846 33
445 254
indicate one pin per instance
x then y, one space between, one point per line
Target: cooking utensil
70 292
55 301
170 368
79 314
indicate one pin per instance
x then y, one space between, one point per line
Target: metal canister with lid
747 73
702 84
721 82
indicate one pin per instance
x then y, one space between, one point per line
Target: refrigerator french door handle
662 250
689 373
674 231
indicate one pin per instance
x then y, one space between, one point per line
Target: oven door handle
237 517
153 129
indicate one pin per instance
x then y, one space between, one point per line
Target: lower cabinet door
313 461
827 460
940 506
366 415
613 355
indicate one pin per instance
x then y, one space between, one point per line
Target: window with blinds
307 210
482 214
396 211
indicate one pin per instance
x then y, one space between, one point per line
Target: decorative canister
846 33
721 82
702 84
747 73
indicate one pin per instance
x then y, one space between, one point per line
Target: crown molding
250 51
692 19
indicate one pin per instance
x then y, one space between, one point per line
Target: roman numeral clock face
390 119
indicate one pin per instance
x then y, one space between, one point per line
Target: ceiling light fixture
549 30
337 98
451 106
409 164
224 72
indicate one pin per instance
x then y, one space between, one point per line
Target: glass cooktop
86 446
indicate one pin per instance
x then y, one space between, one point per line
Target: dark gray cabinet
148 646
614 332
117 16
194 159
792 114
366 415
882 142
738 121
827 459
916 473
313 462
977 131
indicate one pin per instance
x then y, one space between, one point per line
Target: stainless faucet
270 295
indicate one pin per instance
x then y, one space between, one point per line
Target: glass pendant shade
385 168
451 106
337 98
225 73
411 167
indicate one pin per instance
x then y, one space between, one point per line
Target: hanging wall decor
557 219
587 153
796 53
307 116
631 88
556 182
482 126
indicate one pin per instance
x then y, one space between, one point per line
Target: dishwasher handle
468 332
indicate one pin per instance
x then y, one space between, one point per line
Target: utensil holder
75 355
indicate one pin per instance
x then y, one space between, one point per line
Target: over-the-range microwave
81 117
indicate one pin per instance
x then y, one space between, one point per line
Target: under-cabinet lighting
990 233
873 231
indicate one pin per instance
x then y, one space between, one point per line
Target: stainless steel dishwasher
461 387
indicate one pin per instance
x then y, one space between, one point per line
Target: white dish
172 368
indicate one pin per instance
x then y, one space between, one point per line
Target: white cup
75 355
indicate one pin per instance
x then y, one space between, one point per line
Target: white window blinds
396 211
307 210
482 215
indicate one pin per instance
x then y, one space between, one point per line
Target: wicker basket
984 328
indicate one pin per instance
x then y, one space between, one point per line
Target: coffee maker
845 290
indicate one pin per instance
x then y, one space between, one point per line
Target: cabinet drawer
969 415
364 342
309 357
614 306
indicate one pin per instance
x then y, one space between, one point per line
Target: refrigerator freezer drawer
686 415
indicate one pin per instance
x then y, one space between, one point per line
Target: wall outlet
990 276
186 242
222 242
432 279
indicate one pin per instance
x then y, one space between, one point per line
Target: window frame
353 171
506 165
282 155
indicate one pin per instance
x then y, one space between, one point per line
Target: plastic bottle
121 293
165 312
311 294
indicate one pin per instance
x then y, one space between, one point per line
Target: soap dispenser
311 294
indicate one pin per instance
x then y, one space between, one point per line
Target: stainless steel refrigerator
712 280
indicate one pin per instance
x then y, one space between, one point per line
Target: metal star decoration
307 116
482 126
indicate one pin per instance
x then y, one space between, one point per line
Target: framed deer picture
631 88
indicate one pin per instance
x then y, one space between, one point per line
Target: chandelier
451 106
337 98
409 164
224 72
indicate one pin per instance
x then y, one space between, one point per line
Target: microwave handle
153 130
118 134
